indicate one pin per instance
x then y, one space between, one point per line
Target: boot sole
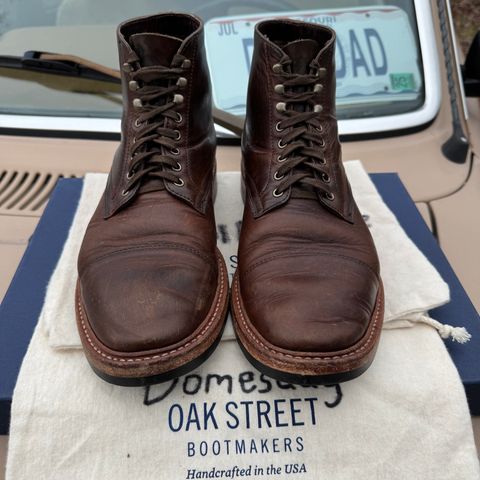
133 369
306 368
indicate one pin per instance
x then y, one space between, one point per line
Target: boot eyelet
319 129
279 88
127 67
134 141
281 144
130 175
181 82
179 183
318 87
318 108
178 135
179 118
177 168
178 98
138 123
322 143
186 63
276 176
281 107
137 103
125 193
175 151
330 196
281 159
133 85
322 161
325 178
277 68
277 127
277 194
322 72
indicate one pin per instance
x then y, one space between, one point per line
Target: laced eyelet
330 196
133 85
277 127
130 175
137 103
322 161
277 177
178 99
138 123
178 135
325 177
175 151
179 118
322 72
322 143
277 194
134 141
281 159
125 193
319 129
181 82
277 68
179 183
177 168
127 67
281 144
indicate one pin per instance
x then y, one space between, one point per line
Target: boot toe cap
314 306
142 301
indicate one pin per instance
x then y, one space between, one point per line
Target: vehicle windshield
378 61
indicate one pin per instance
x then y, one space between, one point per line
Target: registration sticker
402 81
376 55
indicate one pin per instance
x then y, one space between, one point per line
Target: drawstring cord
457 334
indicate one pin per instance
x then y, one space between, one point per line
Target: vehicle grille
26 193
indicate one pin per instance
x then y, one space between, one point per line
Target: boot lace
155 143
303 158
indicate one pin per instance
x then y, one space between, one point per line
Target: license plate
376 55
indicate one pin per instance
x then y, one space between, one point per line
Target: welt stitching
161 355
287 355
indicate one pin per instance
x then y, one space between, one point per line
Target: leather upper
308 269
148 266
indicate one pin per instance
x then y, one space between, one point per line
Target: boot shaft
290 143
287 47
171 44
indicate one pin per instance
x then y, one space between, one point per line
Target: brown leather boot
307 296
152 291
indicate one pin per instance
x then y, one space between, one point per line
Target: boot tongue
155 48
301 52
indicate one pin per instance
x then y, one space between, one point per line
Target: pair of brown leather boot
152 291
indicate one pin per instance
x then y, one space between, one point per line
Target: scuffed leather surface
148 267
148 274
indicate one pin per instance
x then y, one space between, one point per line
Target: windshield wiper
80 68
60 64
